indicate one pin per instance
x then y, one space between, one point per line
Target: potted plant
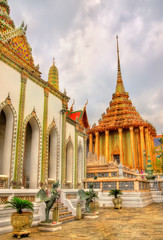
117 200
21 221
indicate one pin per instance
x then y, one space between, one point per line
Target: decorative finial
117 44
65 92
34 109
37 66
22 25
86 104
8 97
54 61
71 109
25 28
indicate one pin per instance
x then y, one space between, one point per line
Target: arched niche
6 135
69 162
53 153
80 158
31 154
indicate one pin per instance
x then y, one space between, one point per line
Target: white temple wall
34 98
10 82
54 111
70 132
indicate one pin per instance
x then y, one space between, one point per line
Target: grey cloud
83 42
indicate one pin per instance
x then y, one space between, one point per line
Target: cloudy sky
81 35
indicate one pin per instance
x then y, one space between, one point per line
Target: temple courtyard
112 224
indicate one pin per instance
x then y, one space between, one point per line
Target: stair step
63 209
6 229
69 218
64 213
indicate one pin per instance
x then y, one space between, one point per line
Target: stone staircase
64 214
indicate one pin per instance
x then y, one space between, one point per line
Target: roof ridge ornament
71 108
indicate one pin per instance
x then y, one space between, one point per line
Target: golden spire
119 87
53 78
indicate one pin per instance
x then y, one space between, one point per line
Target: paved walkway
112 224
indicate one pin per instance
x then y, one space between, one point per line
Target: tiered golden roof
121 113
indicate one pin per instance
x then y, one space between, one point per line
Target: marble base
90 215
50 227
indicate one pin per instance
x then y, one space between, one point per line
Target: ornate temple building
40 139
122 135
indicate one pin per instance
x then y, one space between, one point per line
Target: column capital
141 128
146 130
119 130
131 128
96 134
106 132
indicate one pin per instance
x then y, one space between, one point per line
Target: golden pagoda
122 135
53 76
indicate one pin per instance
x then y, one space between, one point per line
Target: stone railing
28 194
122 184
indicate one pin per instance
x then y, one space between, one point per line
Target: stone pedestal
50 227
78 211
90 215
56 213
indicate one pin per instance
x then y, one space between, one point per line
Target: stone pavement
112 224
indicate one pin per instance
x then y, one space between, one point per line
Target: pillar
97 144
85 157
90 142
63 153
132 147
121 145
148 143
153 149
138 156
107 145
44 163
19 142
143 160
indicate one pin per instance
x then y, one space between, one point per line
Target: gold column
121 145
138 156
153 149
143 162
151 146
132 147
107 145
147 138
97 144
90 142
